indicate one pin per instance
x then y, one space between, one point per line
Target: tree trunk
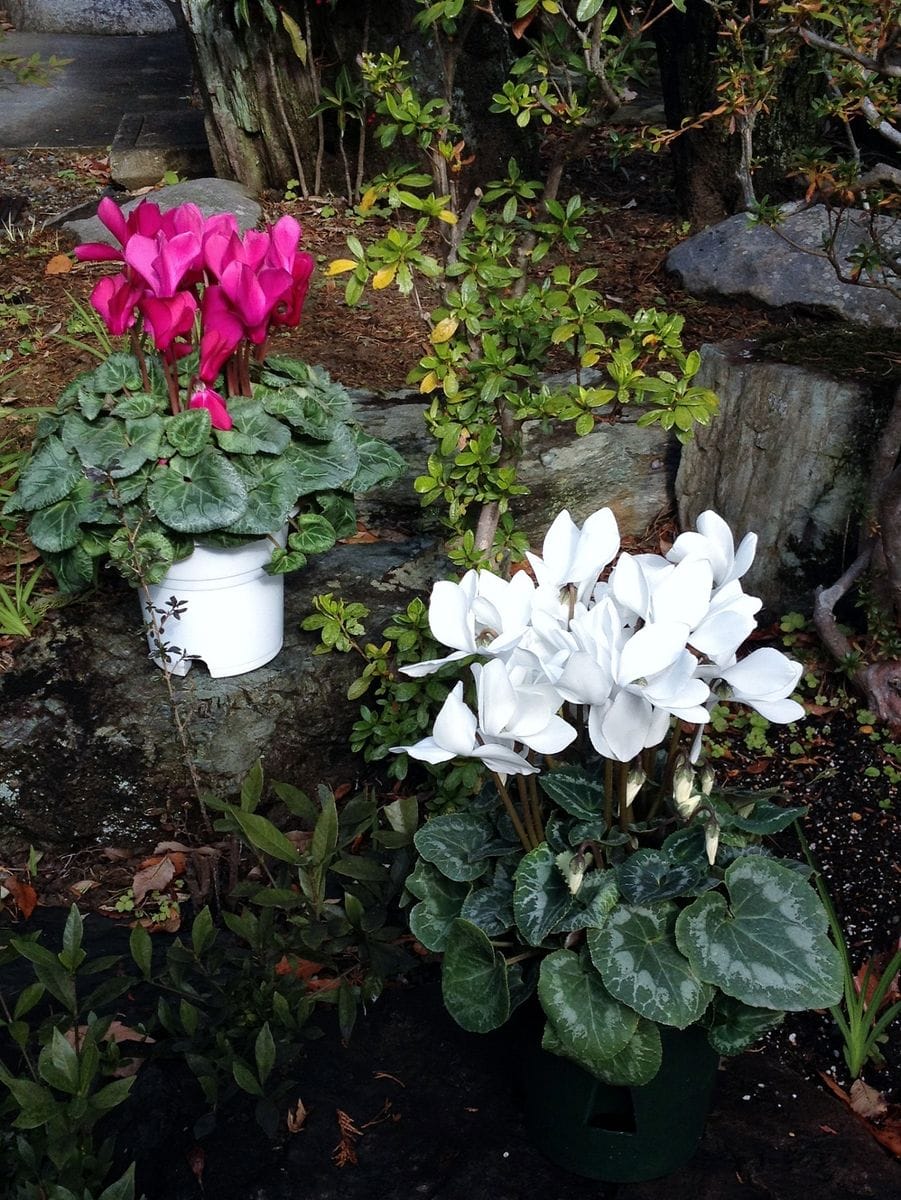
706 160
258 95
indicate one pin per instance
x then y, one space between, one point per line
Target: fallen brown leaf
297 1117
24 896
156 873
60 264
866 1101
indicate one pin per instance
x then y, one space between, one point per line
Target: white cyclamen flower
482 614
454 736
510 708
764 681
574 557
714 542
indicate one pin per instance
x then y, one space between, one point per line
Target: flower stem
512 813
535 802
608 794
525 808
622 779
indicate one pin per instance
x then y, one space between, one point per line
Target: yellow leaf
428 383
444 330
297 40
447 216
382 279
550 6
369 198
340 265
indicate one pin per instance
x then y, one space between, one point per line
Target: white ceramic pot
231 611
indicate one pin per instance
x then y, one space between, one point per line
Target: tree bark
707 160
258 95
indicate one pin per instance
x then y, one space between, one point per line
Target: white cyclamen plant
603 868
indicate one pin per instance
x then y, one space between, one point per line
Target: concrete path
86 100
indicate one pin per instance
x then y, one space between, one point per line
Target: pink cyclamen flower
115 299
221 331
206 398
169 317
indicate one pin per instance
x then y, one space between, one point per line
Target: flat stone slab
92 16
147 145
210 195
788 266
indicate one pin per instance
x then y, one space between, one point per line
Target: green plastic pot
622 1134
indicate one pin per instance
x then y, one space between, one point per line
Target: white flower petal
455 725
625 726
497 700
684 594
450 615
651 650
504 761
764 675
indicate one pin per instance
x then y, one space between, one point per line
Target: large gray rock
630 469
210 195
91 16
786 457
788 267
87 747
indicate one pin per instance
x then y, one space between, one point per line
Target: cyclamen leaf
637 957
440 903
491 907
379 463
322 465
188 432
649 875
253 431
198 495
735 1026
474 980
577 793
542 897
589 1023
47 477
453 842
768 946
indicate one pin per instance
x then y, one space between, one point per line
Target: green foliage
58 1079
236 1004
114 472
502 315
399 709
619 939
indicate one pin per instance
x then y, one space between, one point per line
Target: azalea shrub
195 433
601 866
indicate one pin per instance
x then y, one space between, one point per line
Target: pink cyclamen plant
191 282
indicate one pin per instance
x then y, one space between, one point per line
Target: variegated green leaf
491 907
474 980
197 495
577 793
768 945
453 842
440 902
735 1026
541 898
649 875
590 1024
637 957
